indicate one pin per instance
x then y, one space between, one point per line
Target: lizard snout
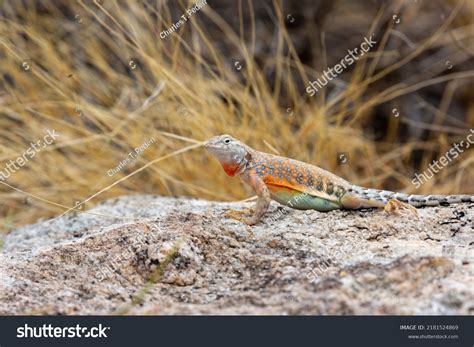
210 144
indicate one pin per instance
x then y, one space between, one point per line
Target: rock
177 256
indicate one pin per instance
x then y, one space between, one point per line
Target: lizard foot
397 207
237 215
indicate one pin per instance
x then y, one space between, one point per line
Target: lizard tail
376 197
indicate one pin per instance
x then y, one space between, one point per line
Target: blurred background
101 74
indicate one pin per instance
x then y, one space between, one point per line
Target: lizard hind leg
393 206
352 202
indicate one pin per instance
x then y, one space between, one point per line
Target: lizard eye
227 141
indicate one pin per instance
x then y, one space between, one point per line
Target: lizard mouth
216 151
209 146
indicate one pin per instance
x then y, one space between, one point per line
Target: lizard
303 186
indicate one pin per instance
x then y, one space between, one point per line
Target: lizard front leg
263 199
262 203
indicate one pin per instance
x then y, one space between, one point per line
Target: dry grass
183 90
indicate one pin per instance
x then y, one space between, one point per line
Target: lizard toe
397 207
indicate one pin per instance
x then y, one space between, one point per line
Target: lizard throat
231 169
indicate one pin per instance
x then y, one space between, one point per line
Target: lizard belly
299 200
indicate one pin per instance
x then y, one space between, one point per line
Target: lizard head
231 153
